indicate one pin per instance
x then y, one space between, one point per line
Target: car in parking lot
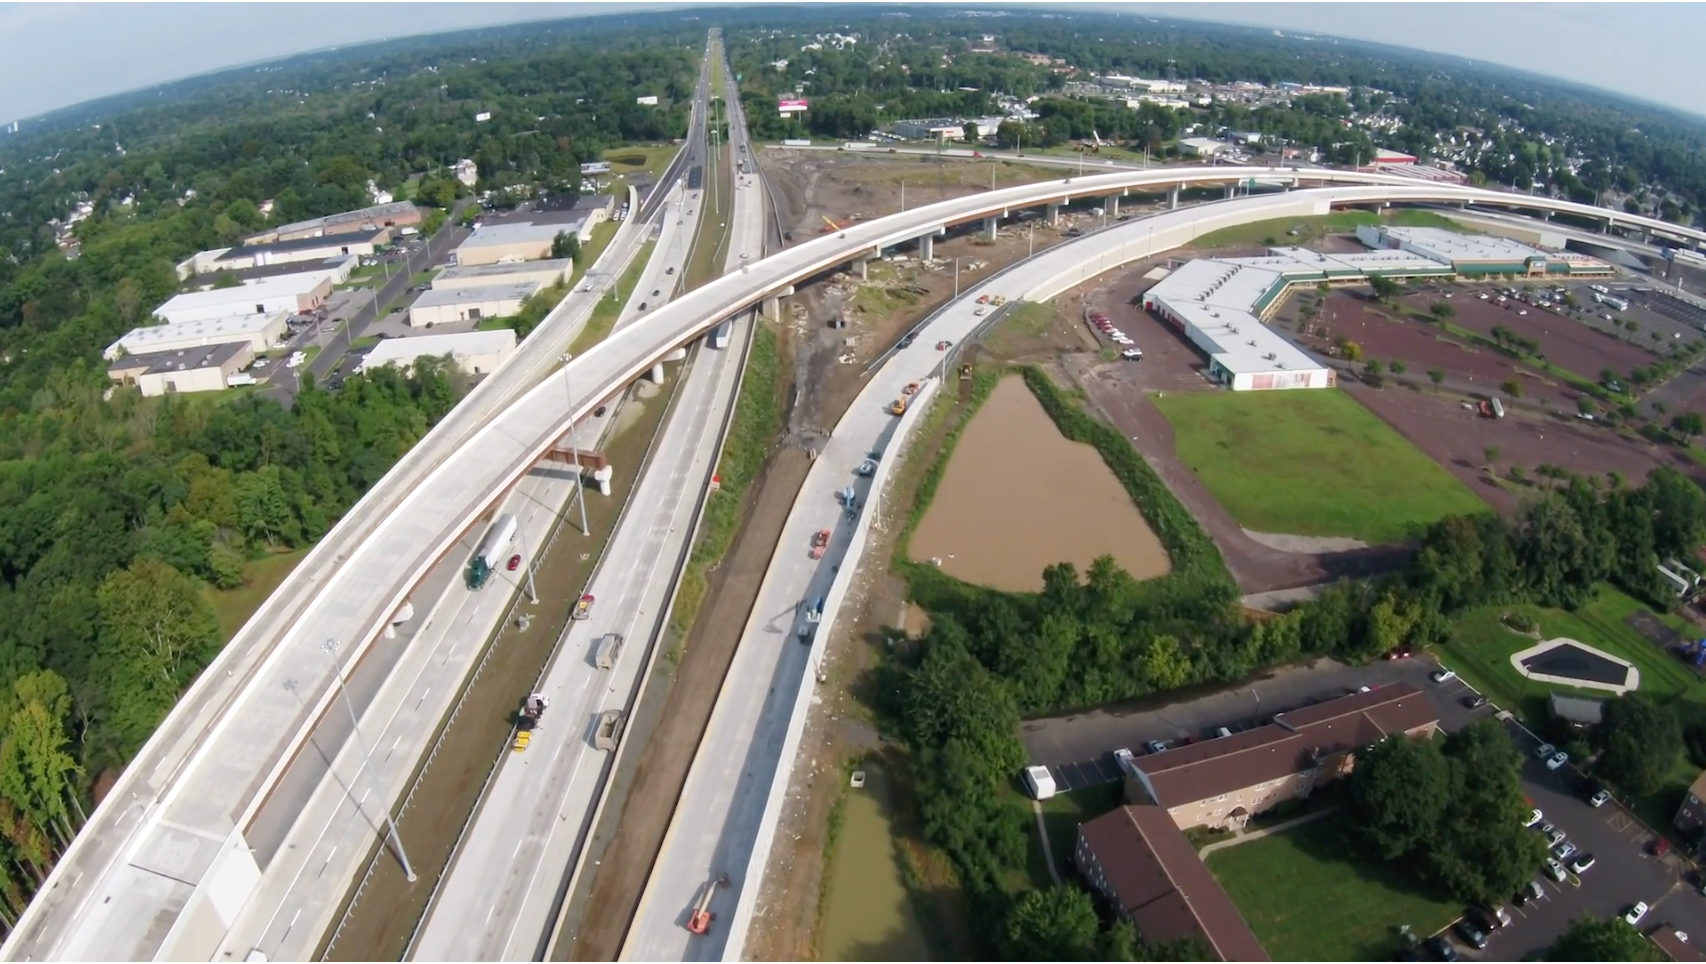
1442 676
1535 818
1554 838
1533 890
1557 760
1581 864
1440 949
1555 870
1472 934
1475 701
1600 799
1636 913
1132 354
1543 751
1156 746
1564 850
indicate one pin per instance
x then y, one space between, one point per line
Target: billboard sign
790 105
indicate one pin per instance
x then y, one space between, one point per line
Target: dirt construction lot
1564 341
1459 439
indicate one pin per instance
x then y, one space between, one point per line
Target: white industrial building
1469 254
516 241
931 129
439 306
546 273
397 214
1202 147
475 352
357 243
1221 305
183 370
258 331
289 293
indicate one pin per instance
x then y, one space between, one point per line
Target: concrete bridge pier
860 269
772 309
1546 215
676 355
601 478
1173 197
927 247
1112 206
989 226
1051 212
1231 191
657 373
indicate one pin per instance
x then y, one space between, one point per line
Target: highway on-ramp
162 868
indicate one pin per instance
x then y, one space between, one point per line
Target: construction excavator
699 922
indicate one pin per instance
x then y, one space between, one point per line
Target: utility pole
574 447
330 648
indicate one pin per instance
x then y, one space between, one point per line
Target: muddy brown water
1018 497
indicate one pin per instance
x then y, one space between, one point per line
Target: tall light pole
574 446
330 648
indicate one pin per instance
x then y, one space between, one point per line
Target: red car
514 563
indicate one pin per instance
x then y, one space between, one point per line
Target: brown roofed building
1675 944
1691 815
1223 782
1140 860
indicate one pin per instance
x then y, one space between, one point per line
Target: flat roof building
258 331
394 215
931 129
359 242
336 268
438 306
1140 860
475 352
1202 146
515 241
291 293
1468 254
546 273
182 370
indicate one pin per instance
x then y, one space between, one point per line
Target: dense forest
991 658
117 513
1525 129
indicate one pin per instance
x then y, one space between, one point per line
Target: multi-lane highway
499 898
163 867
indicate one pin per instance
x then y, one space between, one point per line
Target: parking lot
1078 749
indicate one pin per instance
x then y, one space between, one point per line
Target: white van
1039 783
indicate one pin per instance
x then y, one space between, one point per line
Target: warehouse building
1202 147
398 214
258 331
515 241
578 214
439 306
338 269
475 352
183 370
291 293
931 129
1470 255
546 273
362 242
1222 304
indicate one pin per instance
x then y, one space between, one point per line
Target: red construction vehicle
820 542
700 920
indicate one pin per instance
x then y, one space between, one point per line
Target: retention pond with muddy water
1017 497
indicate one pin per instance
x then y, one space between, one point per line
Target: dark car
1472 934
911 337
1440 949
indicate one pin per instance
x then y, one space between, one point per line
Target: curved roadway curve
163 864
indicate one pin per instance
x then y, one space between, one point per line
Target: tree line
991 658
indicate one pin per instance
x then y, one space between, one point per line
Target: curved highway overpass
163 866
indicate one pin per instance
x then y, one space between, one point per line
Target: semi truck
492 549
720 335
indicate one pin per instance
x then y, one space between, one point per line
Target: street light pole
574 447
956 276
330 648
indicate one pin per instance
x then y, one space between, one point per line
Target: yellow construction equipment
829 225
898 406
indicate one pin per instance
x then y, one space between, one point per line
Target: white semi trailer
492 549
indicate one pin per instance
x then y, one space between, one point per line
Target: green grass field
650 158
233 607
1310 462
1278 231
1480 648
1307 899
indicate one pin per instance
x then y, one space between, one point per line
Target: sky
59 54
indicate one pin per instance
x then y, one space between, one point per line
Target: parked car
1535 818
1636 913
1402 652
1440 949
1131 354
1555 838
1533 890
1475 702
1564 851
1581 864
1155 746
1543 751
1442 676
1600 799
1558 759
1555 870
1472 935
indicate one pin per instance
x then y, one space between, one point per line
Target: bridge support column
601 478
860 269
1112 206
1546 215
773 308
1051 213
927 247
657 373
1173 197
1231 191
676 355
989 227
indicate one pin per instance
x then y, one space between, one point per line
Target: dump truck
493 548
608 649
699 922
609 730
820 542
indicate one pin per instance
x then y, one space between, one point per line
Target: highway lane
499 896
211 765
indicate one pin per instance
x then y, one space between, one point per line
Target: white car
1131 354
1543 751
1636 913
1534 818
1442 676
1555 870
1558 759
